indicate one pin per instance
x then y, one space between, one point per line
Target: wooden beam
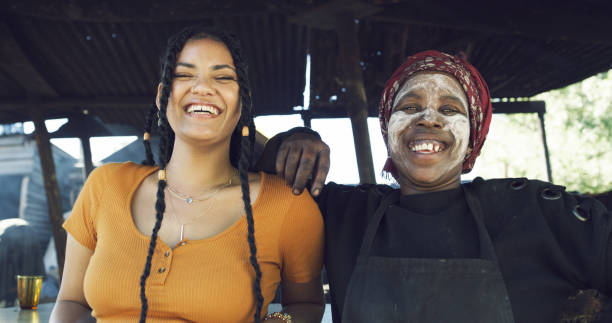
54 201
332 110
15 63
69 104
519 107
18 110
560 22
355 96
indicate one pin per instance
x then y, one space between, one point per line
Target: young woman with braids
212 255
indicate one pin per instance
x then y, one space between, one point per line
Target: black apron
386 289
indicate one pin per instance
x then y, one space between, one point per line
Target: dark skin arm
303 301
302 156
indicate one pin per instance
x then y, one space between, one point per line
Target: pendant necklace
182 224
190 200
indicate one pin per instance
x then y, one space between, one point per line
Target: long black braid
241 146
149 117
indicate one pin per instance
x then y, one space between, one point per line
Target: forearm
70 312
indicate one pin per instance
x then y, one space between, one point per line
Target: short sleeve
301 240
81 222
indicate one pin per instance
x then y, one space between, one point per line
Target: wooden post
307 118
355 98
54 201
87 163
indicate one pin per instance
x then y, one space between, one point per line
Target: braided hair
241 146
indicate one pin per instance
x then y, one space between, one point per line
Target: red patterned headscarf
477 92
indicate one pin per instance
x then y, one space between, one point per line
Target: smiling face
429 132
203 104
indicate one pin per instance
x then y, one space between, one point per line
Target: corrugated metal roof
103 57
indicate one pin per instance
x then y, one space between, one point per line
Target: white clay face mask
431 88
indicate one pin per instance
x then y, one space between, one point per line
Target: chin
424 179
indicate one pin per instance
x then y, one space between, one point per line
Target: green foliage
579 134
579 124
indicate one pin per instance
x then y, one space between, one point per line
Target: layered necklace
203 196
191 199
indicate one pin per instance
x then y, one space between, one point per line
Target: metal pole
546 155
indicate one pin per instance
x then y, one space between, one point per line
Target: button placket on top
160 265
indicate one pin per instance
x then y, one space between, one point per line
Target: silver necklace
182 224
190 199
210 205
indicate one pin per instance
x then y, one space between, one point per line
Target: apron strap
487 251
368 238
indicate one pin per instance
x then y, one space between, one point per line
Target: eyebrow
453 98
214 68
408 95
222 66
185 64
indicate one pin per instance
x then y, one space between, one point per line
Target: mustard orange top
208 280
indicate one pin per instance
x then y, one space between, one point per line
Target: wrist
303 130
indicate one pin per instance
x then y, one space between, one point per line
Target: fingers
281 158
300 158
320 172
291 164
304 171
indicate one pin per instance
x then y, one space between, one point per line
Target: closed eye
226 78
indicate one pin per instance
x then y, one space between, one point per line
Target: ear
159 88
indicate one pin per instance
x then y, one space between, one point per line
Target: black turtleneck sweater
545 253
430 225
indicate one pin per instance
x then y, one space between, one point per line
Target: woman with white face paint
436 250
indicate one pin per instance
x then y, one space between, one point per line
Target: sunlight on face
203 104
429 128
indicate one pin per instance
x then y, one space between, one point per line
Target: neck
191 169
411 187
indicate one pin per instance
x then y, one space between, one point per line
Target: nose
429 119
202 87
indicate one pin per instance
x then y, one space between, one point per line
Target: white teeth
427 147
202 108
